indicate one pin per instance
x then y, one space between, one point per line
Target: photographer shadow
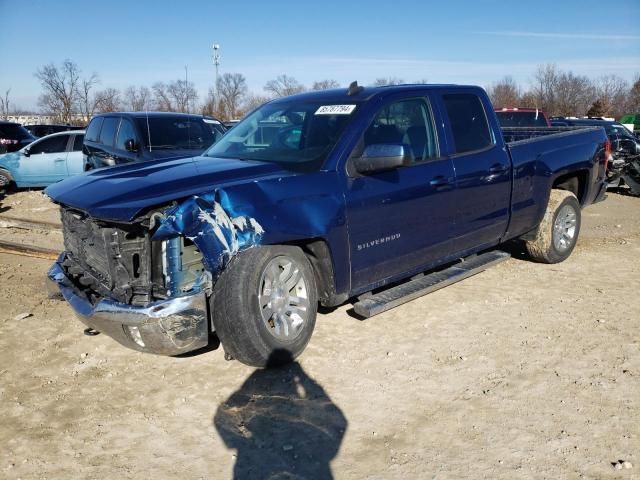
282 424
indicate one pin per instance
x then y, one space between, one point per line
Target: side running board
391 298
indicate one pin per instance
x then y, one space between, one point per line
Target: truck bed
538 154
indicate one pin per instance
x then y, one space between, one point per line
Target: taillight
607 153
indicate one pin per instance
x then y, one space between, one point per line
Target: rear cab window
468 122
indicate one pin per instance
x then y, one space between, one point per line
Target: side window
468 122
93 131
108 132
125 133
77 143
50 145
407 122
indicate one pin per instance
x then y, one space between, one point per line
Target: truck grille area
108 260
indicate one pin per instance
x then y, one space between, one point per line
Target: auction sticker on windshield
335 110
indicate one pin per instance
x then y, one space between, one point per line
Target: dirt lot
523 371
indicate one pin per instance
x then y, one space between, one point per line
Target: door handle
441 181
59 160
498 168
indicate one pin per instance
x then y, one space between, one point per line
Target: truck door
399 219
483 173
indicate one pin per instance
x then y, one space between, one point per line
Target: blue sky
463 41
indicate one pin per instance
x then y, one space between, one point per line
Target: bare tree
505 93
87 101
283 86
325 85
161 98
633 102
381 82
253 101
573 94
612 91
4 104
108 100
184 95
231 88
60 89
546 81
177 96
137 99
210 106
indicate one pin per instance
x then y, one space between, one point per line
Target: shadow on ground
282 424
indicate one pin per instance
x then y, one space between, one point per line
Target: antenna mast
216 64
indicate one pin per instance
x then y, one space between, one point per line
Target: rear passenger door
483 173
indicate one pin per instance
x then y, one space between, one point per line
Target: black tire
6 181
557 237
237 313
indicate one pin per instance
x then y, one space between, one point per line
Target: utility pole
216 64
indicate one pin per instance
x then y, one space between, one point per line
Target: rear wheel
264 305
558 232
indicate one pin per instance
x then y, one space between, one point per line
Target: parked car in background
522 117
43 162
116 138
42 130
14 136
622 140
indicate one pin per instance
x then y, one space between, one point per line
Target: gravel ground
523 371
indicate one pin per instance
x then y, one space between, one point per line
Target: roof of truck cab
367 93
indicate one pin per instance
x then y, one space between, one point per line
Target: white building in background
38 119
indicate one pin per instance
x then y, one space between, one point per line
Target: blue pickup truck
373 194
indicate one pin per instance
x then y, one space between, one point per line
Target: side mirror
130 145
381 157
26 152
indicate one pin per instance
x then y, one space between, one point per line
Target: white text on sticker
335 110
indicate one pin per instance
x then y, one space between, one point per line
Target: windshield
521 119
175 133
295 135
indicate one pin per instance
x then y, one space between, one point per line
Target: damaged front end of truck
146 283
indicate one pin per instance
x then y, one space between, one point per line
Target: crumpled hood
120 193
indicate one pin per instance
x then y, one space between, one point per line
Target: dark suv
13 137
115 138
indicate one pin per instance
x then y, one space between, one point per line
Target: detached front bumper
166 327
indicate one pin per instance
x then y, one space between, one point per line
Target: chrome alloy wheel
283 298
564 228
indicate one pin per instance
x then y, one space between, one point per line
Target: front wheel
558 232
264 305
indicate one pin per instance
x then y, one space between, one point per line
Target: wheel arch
574 182
318 252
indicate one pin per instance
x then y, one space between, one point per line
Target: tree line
564 93
73 98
